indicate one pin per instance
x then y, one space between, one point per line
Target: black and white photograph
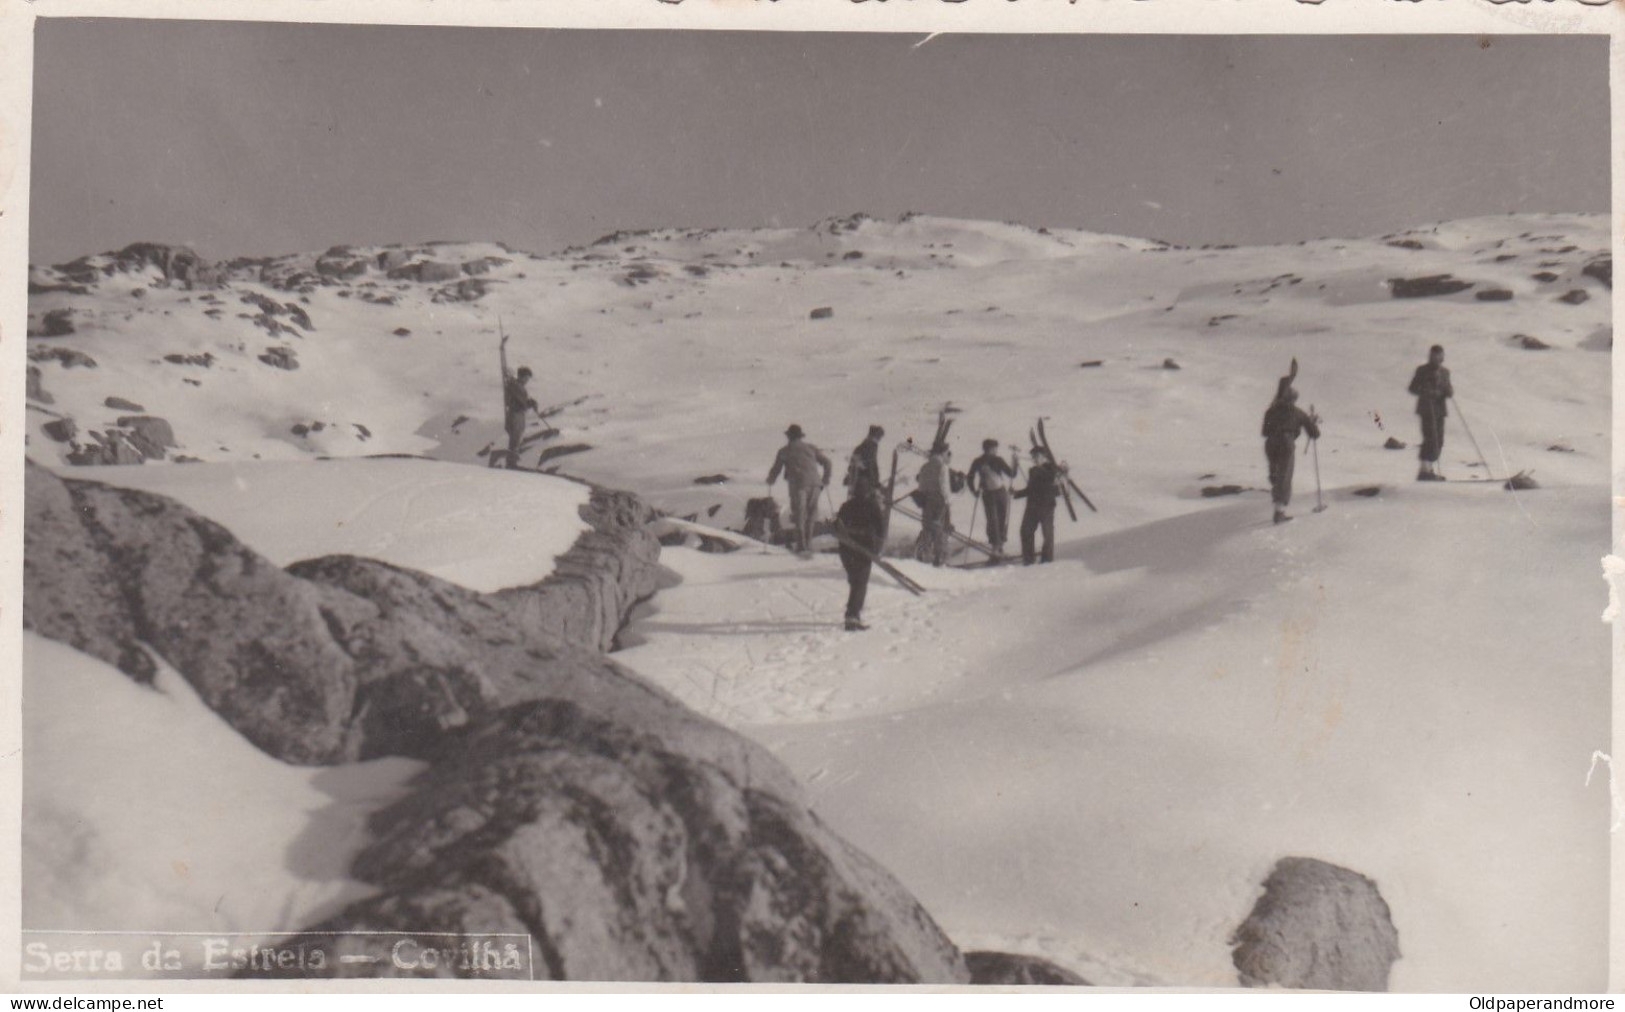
790 507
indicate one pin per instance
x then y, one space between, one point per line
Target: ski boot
1282 516
854 624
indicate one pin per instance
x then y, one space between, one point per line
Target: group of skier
1284 422
861 522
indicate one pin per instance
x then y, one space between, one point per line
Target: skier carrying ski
806 470
1043 488
862 519
931 494
1283 421
1431 385
991 477
516 401
865 459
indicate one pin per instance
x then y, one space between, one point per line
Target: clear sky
257 139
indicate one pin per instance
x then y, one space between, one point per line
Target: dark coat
516 400
1043 486
1284 421
862 519
1431 385
865 463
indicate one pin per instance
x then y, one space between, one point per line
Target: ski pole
1469 430
1320 504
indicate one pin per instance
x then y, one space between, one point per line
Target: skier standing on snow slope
806 470
861 518
1283 421
1431 385
991 478
1043 488
516 401
865 459
932 495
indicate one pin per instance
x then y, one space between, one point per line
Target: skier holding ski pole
1283 422
1431 385
516 401
807 471
990 479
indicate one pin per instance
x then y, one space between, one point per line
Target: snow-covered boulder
566 799
1317 926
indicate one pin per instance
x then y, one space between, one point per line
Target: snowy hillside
689 352
1096 761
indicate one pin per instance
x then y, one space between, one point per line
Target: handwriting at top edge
1497 3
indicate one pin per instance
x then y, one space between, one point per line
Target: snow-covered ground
1100 760
484 529
1097 760
147 813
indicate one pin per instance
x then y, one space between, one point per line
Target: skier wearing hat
1431 385
806 470
991 477
1283 421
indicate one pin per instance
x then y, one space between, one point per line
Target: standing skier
861 518
1283 421
1431 385
806 470
865 459
991 477
1043 488
516 401
932 495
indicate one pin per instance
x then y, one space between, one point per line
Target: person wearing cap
1431 385
991 477
516 401
862 519
1043 488
1283 422
865 459
931 493
806 470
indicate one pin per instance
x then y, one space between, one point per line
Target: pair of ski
1040 440
944 423
903 579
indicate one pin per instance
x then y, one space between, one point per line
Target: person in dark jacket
1431 385
991 477
865 460
1043 488
516 401
862 519
1283 421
